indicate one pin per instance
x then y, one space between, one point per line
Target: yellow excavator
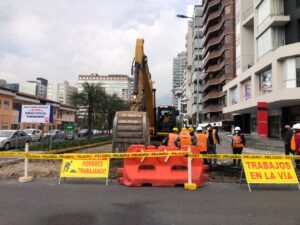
145 121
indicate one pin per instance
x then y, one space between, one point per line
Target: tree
114 104
92 99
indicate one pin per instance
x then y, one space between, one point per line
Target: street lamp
198 66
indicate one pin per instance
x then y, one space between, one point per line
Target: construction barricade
166 171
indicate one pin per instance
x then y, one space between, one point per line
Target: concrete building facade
61 92
267 64
121 85
37 87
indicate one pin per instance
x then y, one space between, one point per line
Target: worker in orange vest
184 139
170 139
295 142
201 142
212 141
238 142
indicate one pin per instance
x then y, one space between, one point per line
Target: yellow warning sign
269 171
85 168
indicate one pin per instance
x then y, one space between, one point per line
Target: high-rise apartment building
179 63
218 61
112 84
267 64
61 92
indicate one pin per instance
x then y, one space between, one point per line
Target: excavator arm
135 126
142 88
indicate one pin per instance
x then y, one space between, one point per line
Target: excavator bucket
130 127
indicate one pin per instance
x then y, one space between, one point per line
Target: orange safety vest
201 142
294 146
185 138
213 134
236 141
172 138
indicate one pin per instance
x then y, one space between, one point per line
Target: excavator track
130 127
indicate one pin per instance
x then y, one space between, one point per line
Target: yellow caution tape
87 156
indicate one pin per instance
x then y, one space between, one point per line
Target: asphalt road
89 202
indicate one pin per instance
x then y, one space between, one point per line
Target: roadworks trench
13 169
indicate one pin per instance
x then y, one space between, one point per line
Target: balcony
212 95
248 17
213 108
207 5
218 66
217 40
215 54
217 27
211 82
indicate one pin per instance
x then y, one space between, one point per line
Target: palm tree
92 98
114 104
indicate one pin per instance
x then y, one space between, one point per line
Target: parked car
13 138
35 134
55 134
83 133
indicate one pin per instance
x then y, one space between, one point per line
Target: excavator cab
165 120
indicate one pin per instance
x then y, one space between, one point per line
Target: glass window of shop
234 96
247 90
6 105
265 82
291 73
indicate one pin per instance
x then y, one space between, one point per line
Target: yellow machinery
144 119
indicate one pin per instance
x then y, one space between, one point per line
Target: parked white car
35 134
12 138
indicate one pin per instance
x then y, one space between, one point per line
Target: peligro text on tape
39 156
7 154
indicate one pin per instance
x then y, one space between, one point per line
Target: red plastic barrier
160 171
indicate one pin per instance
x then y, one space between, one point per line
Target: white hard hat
237 128
199 129
296 126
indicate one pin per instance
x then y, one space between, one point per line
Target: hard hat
296 126
237 128
191 129
175 129
184 129
199 129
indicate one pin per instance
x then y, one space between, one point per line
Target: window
227 54
234 96
289 73
268 8
6 105
227 69
265 82
269 40
227 39
298 72
227 9
247 90
4 126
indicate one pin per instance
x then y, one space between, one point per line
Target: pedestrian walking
170 139
212 141
201 143
295 142
287 136
238 142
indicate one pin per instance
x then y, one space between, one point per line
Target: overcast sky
59 40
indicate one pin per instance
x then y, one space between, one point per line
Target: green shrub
44 145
